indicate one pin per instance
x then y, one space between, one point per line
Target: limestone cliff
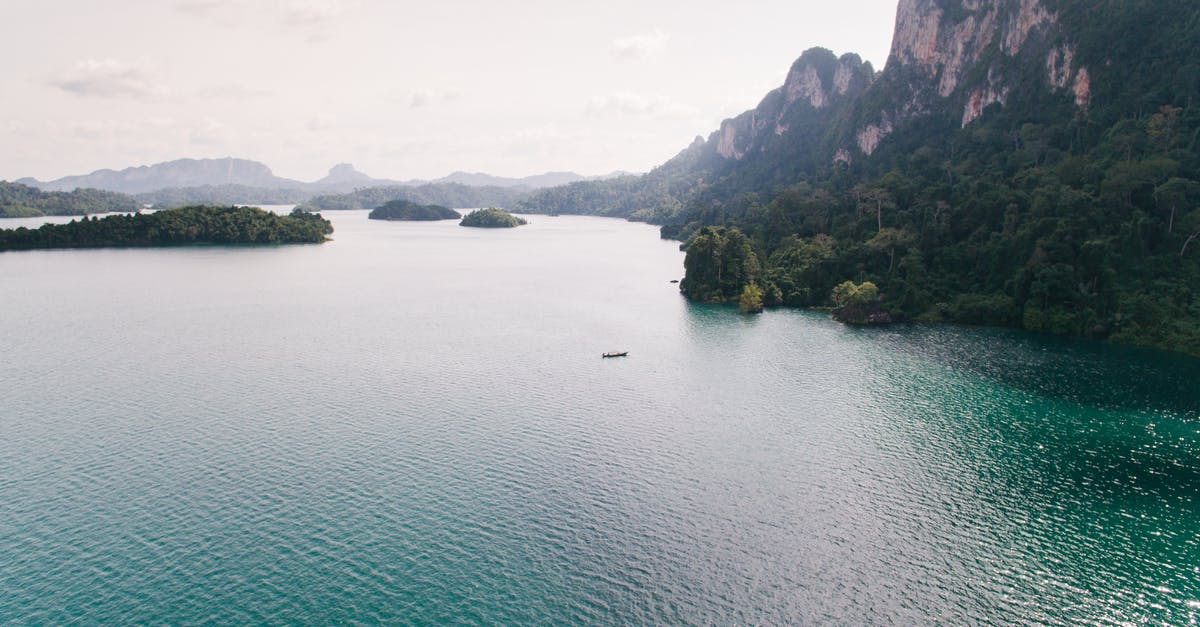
964 51
946 55
817 84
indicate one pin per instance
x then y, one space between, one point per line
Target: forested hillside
23 201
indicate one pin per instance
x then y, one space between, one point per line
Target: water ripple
412 424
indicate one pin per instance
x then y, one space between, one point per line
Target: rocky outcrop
1059 64
803 83
869 137
931 45
980 97
1083 88
1030 15
817 83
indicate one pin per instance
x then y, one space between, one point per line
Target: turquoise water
412 423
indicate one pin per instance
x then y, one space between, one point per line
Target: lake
412 423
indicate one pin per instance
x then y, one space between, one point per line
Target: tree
875 198
888 240
858 304
1192 224
751 300
849 293
1161 128
1175 193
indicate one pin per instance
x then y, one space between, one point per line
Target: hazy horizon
400 90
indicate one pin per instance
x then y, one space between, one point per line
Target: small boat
618 354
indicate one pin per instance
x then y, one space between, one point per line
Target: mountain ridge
187 173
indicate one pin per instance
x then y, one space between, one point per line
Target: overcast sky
400 89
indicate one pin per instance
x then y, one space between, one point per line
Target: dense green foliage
719 264
172 227
491 218
408 210
1051 225
444 194
222 195
22 201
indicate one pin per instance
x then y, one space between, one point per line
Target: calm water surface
412 423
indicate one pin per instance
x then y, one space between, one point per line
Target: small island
491 218
408 210
174 227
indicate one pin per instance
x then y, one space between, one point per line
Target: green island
402 209
491 218
174 227
23 201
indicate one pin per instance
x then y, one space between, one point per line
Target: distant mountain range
537 181
172 174
213 177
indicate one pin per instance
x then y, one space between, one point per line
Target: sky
400 89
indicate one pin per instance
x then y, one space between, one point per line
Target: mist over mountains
231 177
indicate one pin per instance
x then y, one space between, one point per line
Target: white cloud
641 46
624 103
310 12
232 91
206 7
308 16
109 78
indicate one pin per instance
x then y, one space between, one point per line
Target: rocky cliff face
817 84
959 55
968 54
